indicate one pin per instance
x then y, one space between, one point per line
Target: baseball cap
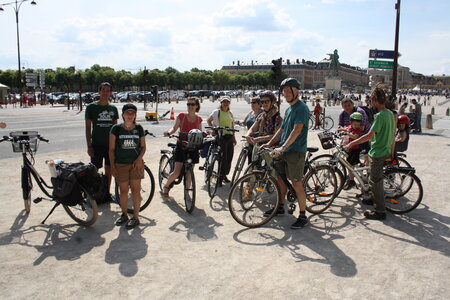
129 106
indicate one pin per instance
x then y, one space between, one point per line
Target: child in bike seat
402 134
353 132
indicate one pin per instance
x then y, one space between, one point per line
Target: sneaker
374 215
226 180
349 184
300 223
133 222
122 220
367 201
280 211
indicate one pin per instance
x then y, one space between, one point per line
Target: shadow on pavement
427 228
198 226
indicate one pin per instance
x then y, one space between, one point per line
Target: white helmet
195 138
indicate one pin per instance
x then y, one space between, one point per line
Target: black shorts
100 153
181 154
353 156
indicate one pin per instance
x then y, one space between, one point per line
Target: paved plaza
207 255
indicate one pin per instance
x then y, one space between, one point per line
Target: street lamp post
394 70
16 6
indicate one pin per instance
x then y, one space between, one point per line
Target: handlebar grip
44 140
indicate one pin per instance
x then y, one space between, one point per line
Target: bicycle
256 193
167 166
241 161
403 189
212 165
85 212
147 187
326 122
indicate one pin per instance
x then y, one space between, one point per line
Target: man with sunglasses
292 135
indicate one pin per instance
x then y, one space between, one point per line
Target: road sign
31 79
385 54
381 64
42 79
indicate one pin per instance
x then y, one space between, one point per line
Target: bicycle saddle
312 149
172 145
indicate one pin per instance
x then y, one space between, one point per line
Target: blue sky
208 34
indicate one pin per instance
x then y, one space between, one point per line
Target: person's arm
292 137
210 121
174 128
365 138
112 152
251 131
401 137
90 149
140 159
275 139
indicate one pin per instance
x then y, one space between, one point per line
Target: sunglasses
265 102
191 104
255 102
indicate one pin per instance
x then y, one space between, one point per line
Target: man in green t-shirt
292 137
381 137
100 116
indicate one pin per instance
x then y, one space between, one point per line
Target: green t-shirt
102 117
128 145
384 127
296 114
226 120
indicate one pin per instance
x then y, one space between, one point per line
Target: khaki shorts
126 172
292 165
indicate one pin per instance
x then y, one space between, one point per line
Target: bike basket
27 138
327 140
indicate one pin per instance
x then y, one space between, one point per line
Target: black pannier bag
66 189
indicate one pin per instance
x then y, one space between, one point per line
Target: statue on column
334 64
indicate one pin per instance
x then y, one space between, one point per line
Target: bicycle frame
37 177
360 176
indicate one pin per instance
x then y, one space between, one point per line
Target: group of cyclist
122 146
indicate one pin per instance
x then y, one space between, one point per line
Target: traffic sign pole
394 71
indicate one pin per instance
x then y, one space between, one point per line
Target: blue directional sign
386 54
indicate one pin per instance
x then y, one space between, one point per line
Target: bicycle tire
403 190
403 162
249 200
213 177
84 213
311 122
26 189
320 188
239 165
164 170
326 159
327 123
189 192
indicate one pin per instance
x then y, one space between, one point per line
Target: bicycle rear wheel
239 165
189 189
147 191
213 177
86 212
326 159
327 123
320 188
26 189
249 199
403 190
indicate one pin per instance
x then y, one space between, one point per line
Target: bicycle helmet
292 82
403 119
356 116
195 138
268 94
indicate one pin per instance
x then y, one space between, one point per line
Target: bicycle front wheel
311 122
86 212
250 202
403 190
320 188
239 166
189 189
26 189
327 123
213 177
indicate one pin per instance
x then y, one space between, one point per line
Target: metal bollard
432 110
429 121
447 113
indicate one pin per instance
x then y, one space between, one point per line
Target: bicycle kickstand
51 211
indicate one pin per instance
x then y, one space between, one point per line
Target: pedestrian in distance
100 116
223 117
184 122
417 110
292 137
381 137
126 153
317 111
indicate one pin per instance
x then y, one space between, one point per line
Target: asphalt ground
207 255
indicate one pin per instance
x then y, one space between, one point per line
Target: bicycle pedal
291 209
201 168
37 200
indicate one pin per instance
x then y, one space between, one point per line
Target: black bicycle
167 166
84 211
212 165
147 187
242 158
257 193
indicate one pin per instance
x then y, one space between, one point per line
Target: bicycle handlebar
146 132
42 139
217 128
